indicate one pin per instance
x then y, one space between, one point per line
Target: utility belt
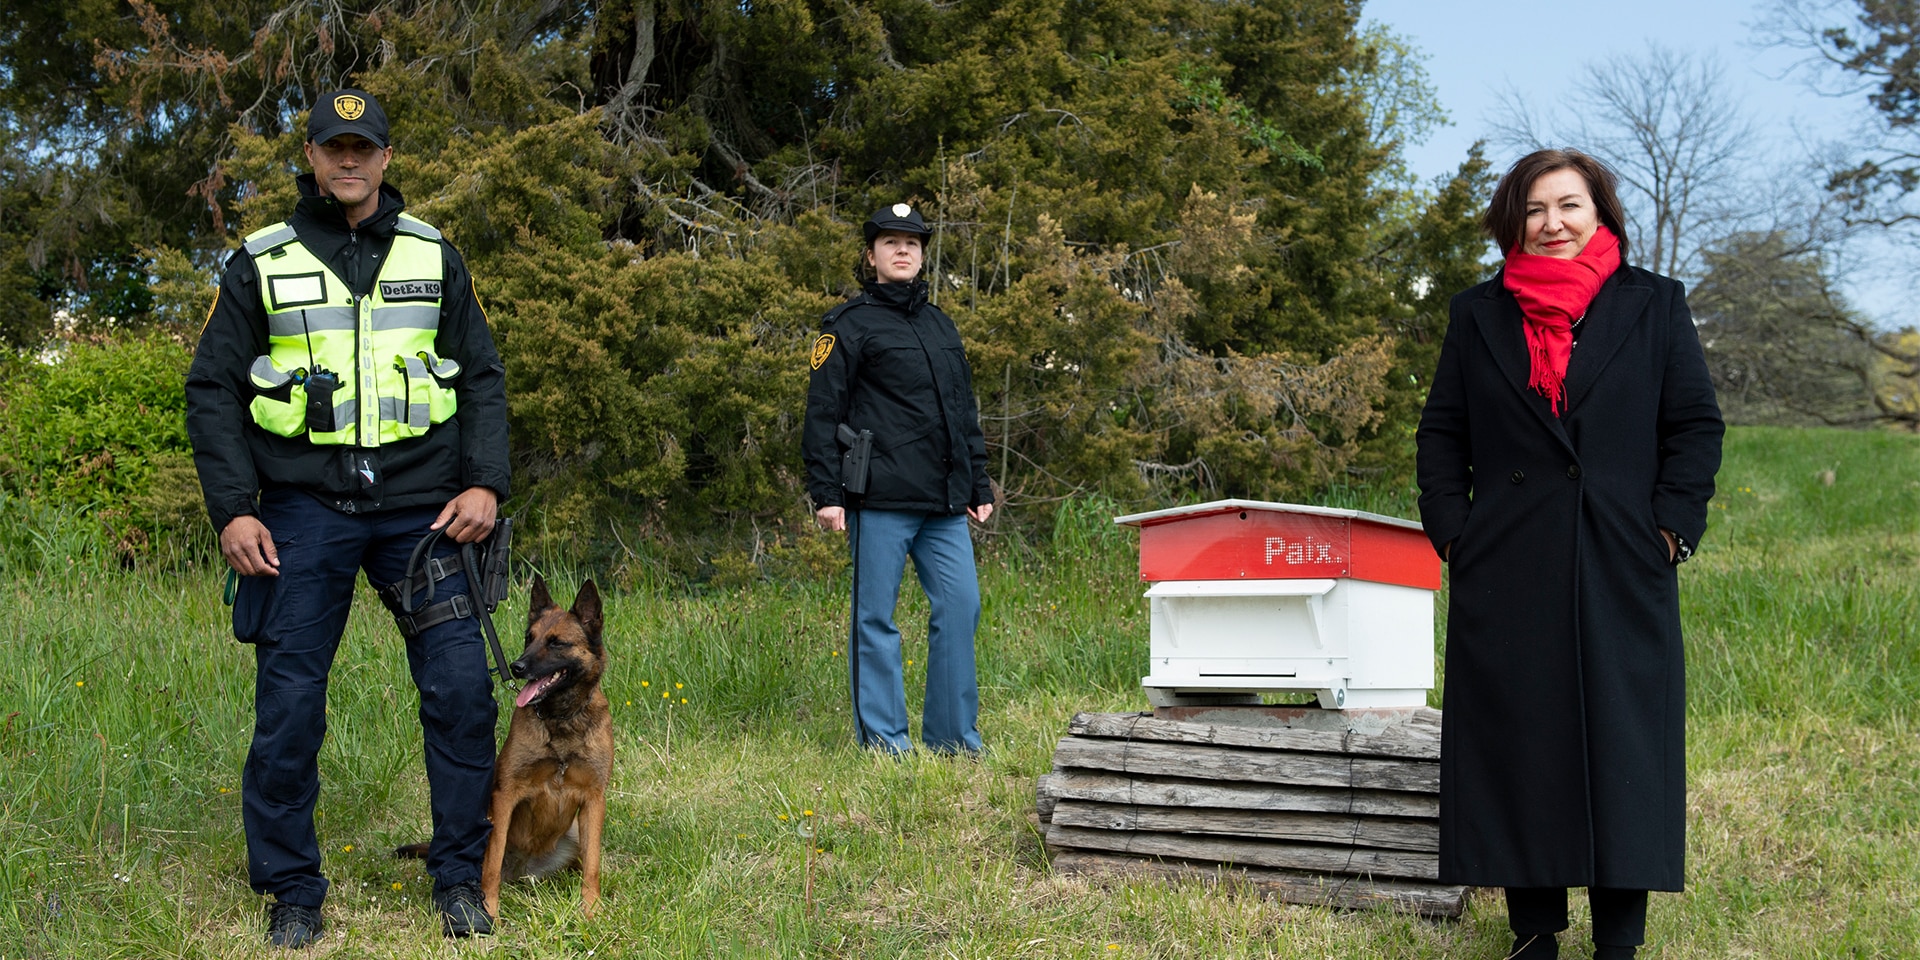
411 598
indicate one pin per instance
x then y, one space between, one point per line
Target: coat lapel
1616 310
1502 327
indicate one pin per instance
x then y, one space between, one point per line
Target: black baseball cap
347 111
898 217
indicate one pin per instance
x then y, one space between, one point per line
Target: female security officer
890 366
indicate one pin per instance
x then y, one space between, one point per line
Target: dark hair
1506 217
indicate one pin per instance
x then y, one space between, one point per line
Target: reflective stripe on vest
379 347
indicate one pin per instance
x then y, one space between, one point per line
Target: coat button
1573 471
1517 476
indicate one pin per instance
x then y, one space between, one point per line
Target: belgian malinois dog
550 783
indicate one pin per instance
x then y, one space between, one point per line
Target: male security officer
344 400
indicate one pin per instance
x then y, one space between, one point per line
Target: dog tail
412 851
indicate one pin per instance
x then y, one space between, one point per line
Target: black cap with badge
899 217
347 111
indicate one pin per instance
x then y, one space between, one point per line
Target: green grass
125 713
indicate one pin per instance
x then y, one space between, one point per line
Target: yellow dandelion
806 813
347 849
836 653
909 663
819 849
629 703
1113 946
396 884
783 816
683 699
679 686
79 683
666 696
225 790
645 684
743 836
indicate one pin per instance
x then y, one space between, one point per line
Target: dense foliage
1175 233
104 429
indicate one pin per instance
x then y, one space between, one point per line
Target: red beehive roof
1257 540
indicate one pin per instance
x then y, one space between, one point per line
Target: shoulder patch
822 349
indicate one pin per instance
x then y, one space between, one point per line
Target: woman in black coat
1566 456
890 365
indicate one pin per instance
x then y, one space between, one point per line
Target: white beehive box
1249 597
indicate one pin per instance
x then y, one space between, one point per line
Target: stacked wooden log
1329 807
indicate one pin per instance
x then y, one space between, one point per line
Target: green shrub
98 428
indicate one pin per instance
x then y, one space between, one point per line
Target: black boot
463 912
294 925
1539 946
1536 915
1619 917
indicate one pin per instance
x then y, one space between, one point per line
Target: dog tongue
534 689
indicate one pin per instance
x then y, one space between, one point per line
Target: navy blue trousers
295 621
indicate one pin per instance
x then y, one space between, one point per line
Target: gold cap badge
349 107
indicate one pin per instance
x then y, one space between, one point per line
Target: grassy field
743 823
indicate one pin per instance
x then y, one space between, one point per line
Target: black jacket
237 459
1563 759
890 362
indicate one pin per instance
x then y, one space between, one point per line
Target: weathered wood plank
1385 833
1120 788
1047 793
1349 893
1357 861
1240 764
1413 740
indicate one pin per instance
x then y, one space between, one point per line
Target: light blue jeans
942 552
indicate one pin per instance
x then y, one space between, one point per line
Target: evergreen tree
1175 233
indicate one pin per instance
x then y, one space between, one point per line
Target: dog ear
586 607
540 601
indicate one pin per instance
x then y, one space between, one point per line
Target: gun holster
856 460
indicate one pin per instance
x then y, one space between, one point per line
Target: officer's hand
469 517
831 518
981 512
1673 544
248 548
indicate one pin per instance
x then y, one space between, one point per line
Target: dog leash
486 570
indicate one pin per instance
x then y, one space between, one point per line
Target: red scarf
1553 293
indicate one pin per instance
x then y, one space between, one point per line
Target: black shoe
1538 946
293 925
463 912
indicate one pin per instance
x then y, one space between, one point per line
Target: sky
1476 50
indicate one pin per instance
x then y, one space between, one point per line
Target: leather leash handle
475 589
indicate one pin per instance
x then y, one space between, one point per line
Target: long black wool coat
1563 752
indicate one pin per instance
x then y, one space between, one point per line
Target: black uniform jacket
237 459
890 362
1563 752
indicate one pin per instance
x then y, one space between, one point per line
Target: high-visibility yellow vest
379 347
